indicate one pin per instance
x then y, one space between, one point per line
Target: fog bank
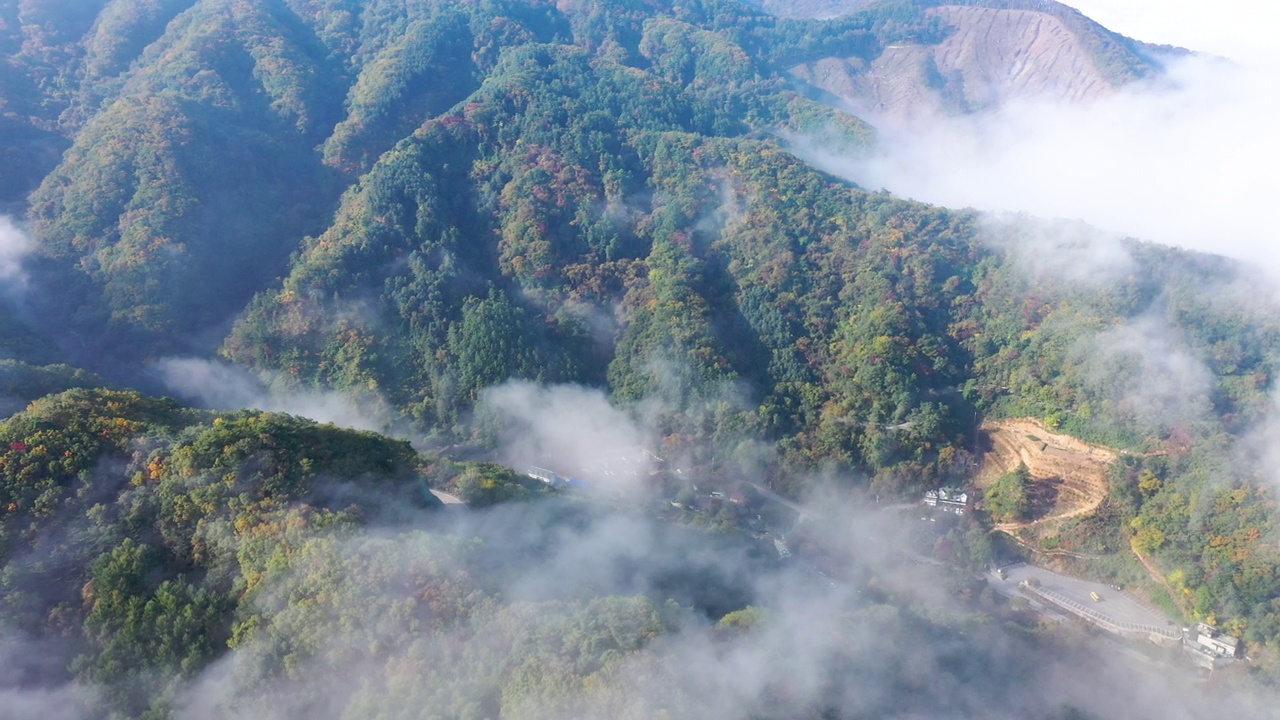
1186 160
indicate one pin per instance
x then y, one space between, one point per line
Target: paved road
447 499
1010 590
1114 603
771 495
766 492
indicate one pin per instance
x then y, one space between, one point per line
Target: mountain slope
180 197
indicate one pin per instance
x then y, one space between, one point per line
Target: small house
550 477
949 499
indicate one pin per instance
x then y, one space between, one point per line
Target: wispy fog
819 646
570 429
1068 250
1159 381
25 694
514 611
1188 160
219 386
14 245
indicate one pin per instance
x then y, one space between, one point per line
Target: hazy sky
1191 162
1239 29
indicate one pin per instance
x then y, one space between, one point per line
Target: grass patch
1164 603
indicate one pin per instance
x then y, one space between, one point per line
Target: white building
549 477
1209 640
950 499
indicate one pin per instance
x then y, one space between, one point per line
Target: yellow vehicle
1095 596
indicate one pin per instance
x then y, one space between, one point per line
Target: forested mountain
413 202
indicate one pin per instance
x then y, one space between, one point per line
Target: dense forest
411 203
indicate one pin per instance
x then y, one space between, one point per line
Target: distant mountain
989 52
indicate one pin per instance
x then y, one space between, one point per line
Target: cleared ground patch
1069 477
990 57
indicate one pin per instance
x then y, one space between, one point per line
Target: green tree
491 344
1008 498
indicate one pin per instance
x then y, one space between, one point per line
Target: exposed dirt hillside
1069 476
992 56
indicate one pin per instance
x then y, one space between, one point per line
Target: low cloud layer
220 386
1242 30
1188 160
818 647
554 609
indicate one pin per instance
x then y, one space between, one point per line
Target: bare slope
991 56
1069 476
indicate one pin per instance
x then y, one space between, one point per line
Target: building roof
948 495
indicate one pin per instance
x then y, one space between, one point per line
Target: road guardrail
1098 617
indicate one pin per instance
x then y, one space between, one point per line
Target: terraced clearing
992 56
1069 477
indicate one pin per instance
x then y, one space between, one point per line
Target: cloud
570 429
1058 249
65 703
1261 444
732 208
33 686
14 246
1158 381
220 386
514 611
1188 160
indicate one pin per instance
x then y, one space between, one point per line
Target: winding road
447 499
